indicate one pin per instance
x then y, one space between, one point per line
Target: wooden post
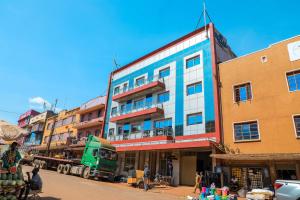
298 170
273 174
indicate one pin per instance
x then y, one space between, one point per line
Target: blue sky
64 49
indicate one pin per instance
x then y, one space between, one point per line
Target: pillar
136 163
157 161
176 169
273 174
298 170
147 157
214 160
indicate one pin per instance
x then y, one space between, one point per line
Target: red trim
105 108
215 79
162 48
137 114
182 145
139 89
150 139
188 137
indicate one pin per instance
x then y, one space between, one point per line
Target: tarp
10 132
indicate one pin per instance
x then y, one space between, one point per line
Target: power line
10 112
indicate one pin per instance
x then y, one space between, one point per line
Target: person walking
198 181
146 178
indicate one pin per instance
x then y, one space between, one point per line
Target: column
272 172
136 163
298 170
157 162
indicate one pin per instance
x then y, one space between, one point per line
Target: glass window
111 131
163 97
140 81
246 131
139 104
194 119
163 123
114 111
116 90
148 100
242 92
120 130
128 106
194 88
193 61
125 87
126 128
147 124
294 80
164 72
297 125
136 128
122 109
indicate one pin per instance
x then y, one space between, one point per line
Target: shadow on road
49 198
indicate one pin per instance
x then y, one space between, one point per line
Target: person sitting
34 183
234 184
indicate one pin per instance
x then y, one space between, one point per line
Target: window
116 90
149 100
120 130
114 111
193 119
191 62
125 87
126 128
147 124
99 113
129 160
122 109
90 116
97 132
139 104
194 88
111 131
242 92
136 128
58 123
128 106
163 123
164 72
293 80
49 125
140 81
163 97
246 131
297 125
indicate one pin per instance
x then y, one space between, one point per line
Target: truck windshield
108 154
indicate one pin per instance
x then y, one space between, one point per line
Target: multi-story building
24 119
36 128
63 132
91 115
261 114
163 107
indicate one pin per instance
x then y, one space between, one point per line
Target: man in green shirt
11 157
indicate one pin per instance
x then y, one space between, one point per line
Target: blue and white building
164 106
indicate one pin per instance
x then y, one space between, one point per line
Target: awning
258 157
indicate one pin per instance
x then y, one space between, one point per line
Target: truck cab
99 158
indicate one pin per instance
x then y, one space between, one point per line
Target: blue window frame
128 106
126 128
164 72
139 104
147 124
163 97
246 131
140 81
122 109
194 88
293 80
125 87
114 111
193 119
165 123
116 90
149 100
297 125
242 92
191 62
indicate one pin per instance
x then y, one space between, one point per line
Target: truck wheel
111 178
67 169
60 168
86 173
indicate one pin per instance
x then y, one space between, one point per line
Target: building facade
91 115
260 95
64 130
24 119
36 128
163 108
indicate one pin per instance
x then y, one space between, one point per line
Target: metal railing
148 80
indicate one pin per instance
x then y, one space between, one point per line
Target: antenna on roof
204 14
116 65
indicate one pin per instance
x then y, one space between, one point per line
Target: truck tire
67 169
60 168
86 173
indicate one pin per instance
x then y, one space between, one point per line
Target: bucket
203 189
219 192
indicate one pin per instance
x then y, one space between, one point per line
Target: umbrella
10 132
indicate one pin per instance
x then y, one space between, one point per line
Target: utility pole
52 129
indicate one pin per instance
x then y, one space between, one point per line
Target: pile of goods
259 194
10 184
213 193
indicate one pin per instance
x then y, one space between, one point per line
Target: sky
64 50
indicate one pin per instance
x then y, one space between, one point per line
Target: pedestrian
170 168
198 181
146 177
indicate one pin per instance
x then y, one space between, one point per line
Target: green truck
99 159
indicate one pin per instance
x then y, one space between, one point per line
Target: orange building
260 100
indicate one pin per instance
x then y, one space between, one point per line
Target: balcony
94 104
138 113
90 123
149 86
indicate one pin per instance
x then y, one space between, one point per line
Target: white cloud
40 103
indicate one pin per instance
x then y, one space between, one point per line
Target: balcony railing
89 123
138 88
168 131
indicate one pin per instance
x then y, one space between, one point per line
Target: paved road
59 186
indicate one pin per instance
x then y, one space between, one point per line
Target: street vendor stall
11 176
